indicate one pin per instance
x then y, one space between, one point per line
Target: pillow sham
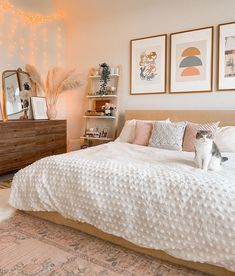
127 134
167 136
191 131
225 139
143 132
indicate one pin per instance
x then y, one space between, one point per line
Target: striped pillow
191 131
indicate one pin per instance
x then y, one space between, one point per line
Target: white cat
207 154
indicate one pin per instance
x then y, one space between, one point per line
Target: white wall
103 31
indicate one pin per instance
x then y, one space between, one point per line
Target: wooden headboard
226 117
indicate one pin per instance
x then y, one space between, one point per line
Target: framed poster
191 61
148 65
226 57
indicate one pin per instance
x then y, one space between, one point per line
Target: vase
51 111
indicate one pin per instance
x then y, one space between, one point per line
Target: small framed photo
191 61
39 108
105 132
148 65
226 57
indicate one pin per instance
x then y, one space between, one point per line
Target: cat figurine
207 154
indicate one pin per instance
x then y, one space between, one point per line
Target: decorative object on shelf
104 77
104 133
58 81
191 56
148 65
39 108
98 104
92 133
108 108
110 90
94 113
226 57
25 95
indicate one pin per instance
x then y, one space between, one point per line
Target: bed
143 198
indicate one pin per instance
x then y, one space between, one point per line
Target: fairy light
59 45
22 49
28 17
32 44
35 36
11 35
44 36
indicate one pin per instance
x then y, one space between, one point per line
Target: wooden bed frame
197 116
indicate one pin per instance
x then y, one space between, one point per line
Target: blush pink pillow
191 131
142 133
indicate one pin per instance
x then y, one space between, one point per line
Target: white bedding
154 198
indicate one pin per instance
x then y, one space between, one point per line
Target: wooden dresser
23 142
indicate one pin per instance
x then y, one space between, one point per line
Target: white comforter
151 197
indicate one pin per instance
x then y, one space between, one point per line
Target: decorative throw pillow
127 134
143 132
191 131
167 136
225 139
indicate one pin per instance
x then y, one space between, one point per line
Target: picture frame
105 132
226 57
148 65
191 61
39 108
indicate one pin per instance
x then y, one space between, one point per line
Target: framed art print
226 56
39 108
148 65
191 61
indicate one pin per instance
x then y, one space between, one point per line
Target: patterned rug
32 246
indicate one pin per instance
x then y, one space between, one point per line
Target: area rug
32 246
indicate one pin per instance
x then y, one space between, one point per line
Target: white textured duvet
151 197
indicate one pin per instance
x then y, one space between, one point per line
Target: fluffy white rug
6 211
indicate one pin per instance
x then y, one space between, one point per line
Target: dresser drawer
23 142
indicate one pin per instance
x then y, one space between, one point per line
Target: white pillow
225 139
127 134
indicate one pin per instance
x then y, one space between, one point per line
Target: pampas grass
58 80
35 77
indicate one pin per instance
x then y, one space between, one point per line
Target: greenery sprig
105 77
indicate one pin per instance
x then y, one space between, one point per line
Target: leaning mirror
16 94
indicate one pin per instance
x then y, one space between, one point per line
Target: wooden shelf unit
101 122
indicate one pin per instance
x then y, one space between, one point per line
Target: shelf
102 96
100 138
97 77
100 117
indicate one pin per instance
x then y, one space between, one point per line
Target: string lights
29 17
30 38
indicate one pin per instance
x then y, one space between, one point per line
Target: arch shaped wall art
191 58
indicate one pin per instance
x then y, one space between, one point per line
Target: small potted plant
108 109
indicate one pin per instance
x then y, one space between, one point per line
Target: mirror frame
3 100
